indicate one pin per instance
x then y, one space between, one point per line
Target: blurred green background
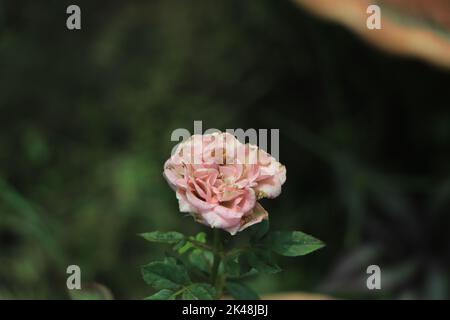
86 118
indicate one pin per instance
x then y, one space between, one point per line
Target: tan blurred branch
414 40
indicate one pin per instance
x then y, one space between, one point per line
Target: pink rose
218 180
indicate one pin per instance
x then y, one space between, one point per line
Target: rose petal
255 216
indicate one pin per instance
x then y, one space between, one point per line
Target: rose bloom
218 180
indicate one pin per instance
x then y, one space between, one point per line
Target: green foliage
188 244
165 275
164 294
259 230
199 291
294 243
261 260
201 259
172 280
223 268
163 237
240 291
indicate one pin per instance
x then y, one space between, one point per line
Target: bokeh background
86 118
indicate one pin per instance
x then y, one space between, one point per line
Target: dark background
86 118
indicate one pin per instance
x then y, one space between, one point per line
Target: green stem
216 280
200 245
